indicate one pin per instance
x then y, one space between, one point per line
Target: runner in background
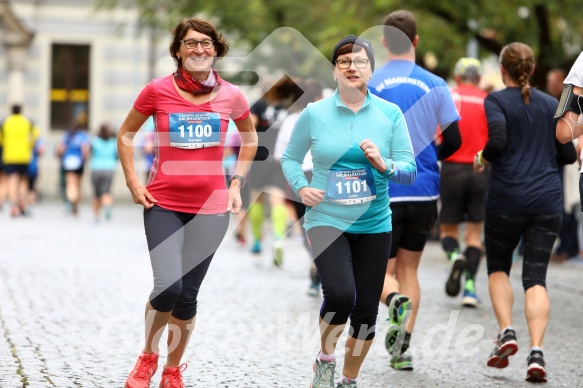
74 151
567 246
148 146
463 193
570 126
33 171
103 163
266 180
426 102
18 135
525 200
312 92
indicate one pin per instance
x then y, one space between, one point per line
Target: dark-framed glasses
358 63
192 43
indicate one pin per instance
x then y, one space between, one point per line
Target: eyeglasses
192 43
358 63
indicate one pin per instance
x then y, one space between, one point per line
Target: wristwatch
239 178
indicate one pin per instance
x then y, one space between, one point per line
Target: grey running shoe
536 372
323 374
402 362
396 341
347 383
453 284
506 345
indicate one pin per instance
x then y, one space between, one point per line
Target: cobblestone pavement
73 293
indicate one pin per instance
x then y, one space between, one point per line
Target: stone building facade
64 60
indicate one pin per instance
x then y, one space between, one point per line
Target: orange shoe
172 377
143 371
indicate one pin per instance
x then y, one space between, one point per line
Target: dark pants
412 224
539 232
568 243
581 190
352 270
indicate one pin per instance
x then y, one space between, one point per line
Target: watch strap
240 179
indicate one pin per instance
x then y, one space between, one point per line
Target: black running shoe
536 372
506 345
453 284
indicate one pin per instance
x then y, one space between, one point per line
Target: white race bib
351 187
195 130
72 162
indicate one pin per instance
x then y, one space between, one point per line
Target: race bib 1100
350 187
195 130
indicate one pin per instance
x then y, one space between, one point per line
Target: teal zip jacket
356 198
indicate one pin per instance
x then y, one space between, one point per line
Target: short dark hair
16 109
202 26
349 48
404 21
105 131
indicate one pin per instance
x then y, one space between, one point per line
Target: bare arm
249 144
570 122
86 151
60 149
246 154
254 119
579 148
125 149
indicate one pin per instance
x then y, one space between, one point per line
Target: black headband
365 44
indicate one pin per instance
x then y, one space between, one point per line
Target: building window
69 85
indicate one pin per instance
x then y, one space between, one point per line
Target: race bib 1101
350 187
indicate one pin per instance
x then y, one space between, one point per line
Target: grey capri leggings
181 248
503 233
101 180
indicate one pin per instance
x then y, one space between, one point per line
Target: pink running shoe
172 377
143 371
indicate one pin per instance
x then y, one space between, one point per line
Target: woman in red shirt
186 201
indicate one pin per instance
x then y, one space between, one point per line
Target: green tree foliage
553 29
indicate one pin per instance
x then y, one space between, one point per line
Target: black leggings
352 269
503 234
181 248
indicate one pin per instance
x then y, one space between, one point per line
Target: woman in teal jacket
358 142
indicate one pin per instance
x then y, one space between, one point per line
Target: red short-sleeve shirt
473 124
187 173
